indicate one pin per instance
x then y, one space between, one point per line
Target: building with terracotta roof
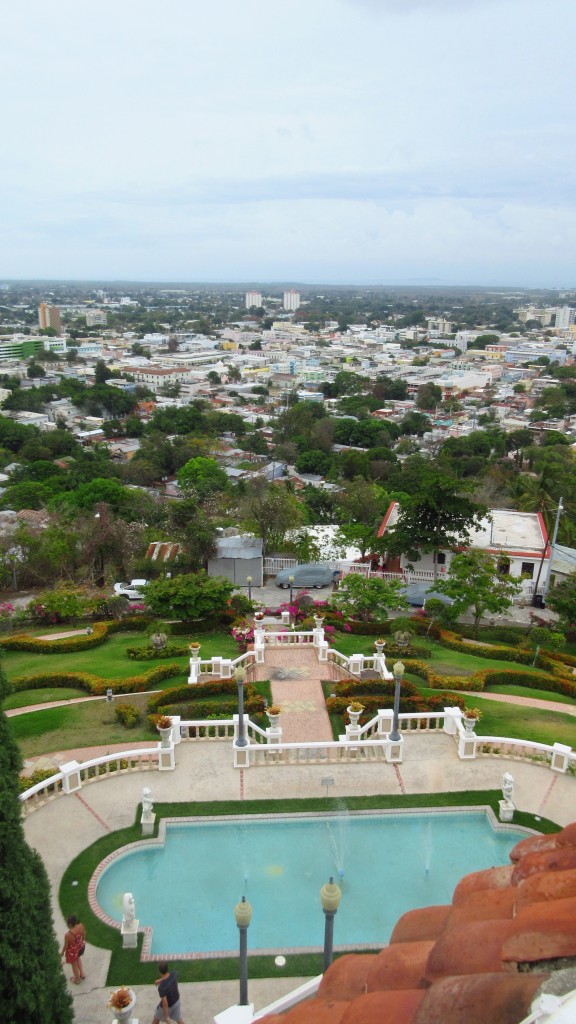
504 952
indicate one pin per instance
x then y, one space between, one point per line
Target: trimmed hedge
100 632
193 701
149 652
540 681
95 684
452 642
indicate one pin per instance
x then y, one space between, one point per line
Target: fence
74 775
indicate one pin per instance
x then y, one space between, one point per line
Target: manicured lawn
523 723
79 725
43 696
527 691
110 660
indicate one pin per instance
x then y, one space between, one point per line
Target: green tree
543 636
202 477
101 372
366 598
271 511
475 584
189 596
562 600
437 516
428 396
29 954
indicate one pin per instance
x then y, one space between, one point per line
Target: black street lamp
398 670
330 895
240 675
291 582
243 914
249 582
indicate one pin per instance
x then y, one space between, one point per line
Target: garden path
295 676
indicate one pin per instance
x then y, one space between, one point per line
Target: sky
313 141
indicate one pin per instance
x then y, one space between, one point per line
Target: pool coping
123 851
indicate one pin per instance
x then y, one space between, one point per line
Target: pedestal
559 761
235 1015
166 761
241 756
467 746
384 722
274 734
507 809
285 616
147 822
129 935
394 750
451 718
71 781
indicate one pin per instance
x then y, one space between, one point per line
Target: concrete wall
237 569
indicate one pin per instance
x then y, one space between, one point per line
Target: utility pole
546 584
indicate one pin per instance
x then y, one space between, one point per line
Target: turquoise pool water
185 890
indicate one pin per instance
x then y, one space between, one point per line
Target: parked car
417 594
313 576
133 591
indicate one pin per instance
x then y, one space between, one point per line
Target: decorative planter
379 645
318 621
125 1013
469 725
354 716
165 735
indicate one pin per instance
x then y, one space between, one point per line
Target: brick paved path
299 693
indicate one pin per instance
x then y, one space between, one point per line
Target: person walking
169 1006
73 948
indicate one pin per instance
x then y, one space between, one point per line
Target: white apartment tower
253 299
291 300
564 317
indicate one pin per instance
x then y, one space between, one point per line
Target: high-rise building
96 318
565 316
49 316
253 299
291 300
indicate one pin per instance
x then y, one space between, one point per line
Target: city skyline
360 142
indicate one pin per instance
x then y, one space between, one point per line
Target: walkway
295 676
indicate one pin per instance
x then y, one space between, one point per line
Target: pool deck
65 826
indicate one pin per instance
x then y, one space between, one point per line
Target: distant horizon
250 285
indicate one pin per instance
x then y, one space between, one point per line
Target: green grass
125 966
110 660
44 696
527 691
91 724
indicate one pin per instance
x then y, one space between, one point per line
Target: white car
134 590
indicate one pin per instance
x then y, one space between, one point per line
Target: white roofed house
518 540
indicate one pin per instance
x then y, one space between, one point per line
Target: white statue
128 910
507 787
146 802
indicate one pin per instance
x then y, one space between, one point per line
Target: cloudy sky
334 141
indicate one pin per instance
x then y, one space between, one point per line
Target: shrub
100 632
127 715
95 684
38 775
149 652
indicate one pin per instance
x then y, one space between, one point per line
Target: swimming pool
186 883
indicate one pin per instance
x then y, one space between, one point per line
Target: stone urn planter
379 645
164 727
469 725
318 621
354 712
194 650
274 712
123 1013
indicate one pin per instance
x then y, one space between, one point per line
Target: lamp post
249 582
291 582
240 675
398 670
243 914
330 895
